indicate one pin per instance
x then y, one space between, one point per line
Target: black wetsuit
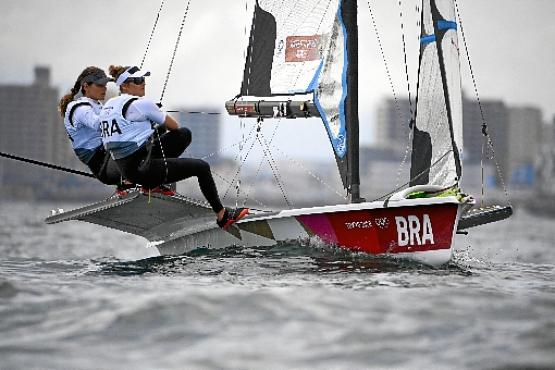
104 167
154 164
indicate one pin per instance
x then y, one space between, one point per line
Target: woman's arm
86 116
170 123
152 112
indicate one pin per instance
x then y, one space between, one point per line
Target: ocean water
79 296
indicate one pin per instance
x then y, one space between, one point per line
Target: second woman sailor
129 131
83 126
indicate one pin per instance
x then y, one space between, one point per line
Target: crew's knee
205 166
186 135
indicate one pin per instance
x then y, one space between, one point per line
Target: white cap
130 73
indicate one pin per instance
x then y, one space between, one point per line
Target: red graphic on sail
302 48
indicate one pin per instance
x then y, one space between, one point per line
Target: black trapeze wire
47 165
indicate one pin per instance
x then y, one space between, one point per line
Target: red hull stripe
387 230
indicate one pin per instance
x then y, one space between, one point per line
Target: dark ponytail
68 98
116 71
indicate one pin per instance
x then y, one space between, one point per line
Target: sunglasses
136 80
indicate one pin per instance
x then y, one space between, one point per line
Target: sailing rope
273 166
405 58
152 34
47 165
242 161
247 193
487 142
175 51
397 104
398 188
237 175
156 133
316 177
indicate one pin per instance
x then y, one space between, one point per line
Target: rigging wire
487 142
156 133
175 51
386 65
389 76
257 173
398 188
405 57
241 162
152 34
273 167
316 177
241 119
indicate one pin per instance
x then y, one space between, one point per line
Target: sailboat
302 63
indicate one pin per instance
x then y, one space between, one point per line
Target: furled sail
437 131
296 65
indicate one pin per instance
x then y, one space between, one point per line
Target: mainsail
437 132
298 64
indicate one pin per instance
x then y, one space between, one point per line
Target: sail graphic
298 48
437 132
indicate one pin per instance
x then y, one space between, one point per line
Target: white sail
299 47
437 140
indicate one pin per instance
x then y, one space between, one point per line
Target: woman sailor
83 126
131 126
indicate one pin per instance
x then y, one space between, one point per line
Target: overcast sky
511 44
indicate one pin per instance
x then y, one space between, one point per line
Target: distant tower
42 76
524 141
393 126
31 127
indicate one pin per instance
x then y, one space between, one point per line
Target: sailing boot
162 189
122 189
231 216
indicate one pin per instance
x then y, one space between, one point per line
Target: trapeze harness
83 129
147 157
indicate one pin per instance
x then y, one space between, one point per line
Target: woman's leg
104 168
174 143
154 174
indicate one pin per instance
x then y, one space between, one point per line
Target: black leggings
104 167
148 167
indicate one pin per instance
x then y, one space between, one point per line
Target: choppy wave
77 296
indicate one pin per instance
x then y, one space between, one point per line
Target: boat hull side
414 231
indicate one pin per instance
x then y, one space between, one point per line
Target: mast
349 15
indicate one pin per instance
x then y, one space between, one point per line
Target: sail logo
412 230
382 222
302 48
358 225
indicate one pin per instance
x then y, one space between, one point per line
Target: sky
510 43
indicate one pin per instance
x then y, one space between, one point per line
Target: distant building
31 127
525 139
394 117
206 127
28 118
392 127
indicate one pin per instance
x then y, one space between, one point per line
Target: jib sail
437 132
